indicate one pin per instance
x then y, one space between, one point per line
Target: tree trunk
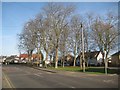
63 61
80 61
74 60
50 60
74 56
56 58
28 56
83 66
46 58
37 55
103 61
83 50
63 64
87 61
106 63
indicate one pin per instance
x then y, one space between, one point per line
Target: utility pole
83 57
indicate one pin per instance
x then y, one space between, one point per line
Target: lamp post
83 57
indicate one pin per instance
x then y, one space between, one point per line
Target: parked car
16 61
66 64
24 61
41 65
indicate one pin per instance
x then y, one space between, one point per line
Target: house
115 59
34 56
68 60
11 59
93 58
100 58
2 58
23 57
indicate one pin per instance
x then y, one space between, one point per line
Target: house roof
33 55
117 53
92 54
36 55
23 56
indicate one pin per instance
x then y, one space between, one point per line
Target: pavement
0 76
73 73
81 74
33 77
118 68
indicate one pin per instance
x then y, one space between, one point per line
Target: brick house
34 56
23 56
115 59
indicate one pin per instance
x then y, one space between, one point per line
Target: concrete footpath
109 78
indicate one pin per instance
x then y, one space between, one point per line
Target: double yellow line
8 81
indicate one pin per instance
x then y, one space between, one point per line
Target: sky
16 14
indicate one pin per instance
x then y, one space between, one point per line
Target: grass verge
92 70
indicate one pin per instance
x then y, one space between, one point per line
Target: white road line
107 81
49 73
8 81
69 86
38 75
28 72
72 87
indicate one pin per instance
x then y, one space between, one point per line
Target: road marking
27 72
108 81
72 87
8 81
113 75
38 75
49 73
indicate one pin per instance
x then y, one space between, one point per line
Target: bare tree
76 36
105 34
64 44
47 38
20 43
89 42
58 15
39 27
27 39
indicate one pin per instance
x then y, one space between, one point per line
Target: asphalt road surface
18 76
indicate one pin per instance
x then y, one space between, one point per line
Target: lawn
94 70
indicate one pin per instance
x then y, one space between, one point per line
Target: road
26 77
